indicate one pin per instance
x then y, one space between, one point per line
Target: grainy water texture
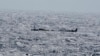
51 38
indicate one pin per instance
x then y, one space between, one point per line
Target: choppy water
17 38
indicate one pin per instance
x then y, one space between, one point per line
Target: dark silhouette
72 30
40 29
75 30
34 29
63 30
1 46
26 54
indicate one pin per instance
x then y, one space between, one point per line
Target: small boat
63 30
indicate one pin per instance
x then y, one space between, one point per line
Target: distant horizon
43 11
